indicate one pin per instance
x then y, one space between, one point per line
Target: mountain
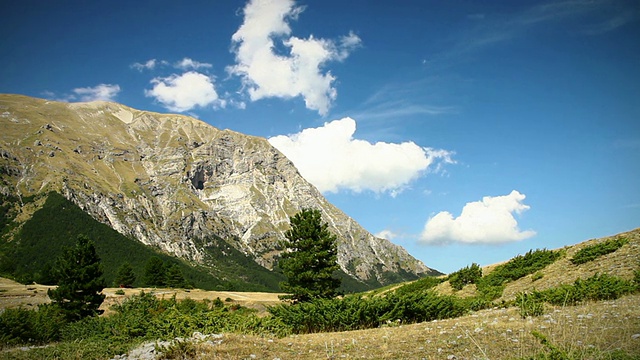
176 183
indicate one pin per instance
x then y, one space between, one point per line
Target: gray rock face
166 180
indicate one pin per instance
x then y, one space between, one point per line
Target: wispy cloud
401 108
398 100
589 17
190 64
613 23
147 65
106 92
102 92
185 64
631 144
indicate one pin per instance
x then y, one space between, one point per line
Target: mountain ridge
167 179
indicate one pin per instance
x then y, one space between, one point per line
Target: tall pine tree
125 277
174 277
155 272
80 282
310 261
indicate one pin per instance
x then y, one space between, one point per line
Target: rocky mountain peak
172 181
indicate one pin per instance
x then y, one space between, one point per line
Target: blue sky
464 131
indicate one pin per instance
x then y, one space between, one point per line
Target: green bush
355 312
492 285
420 285
467 275
23 326
597 287
592 252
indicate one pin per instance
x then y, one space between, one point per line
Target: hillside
176 184
622 262
56 223
601 323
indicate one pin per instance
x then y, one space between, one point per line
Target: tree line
309 263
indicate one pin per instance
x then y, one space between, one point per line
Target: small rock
635 336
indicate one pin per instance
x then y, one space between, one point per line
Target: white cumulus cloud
106 92
296 68
185 92
331 159
487 221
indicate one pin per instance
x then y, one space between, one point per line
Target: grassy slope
623 262
593 330
589 331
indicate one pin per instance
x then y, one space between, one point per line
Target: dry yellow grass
253 300
585 331
13 295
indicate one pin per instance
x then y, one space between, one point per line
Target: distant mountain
176 184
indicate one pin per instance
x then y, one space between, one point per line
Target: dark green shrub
217 303
420 285
597 287
355 312
22 326
465 276
491 285
592 252
89 328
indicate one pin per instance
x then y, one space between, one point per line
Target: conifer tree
125 277
80 282
174 277
310 259
155 273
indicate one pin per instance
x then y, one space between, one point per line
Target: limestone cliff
169 180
